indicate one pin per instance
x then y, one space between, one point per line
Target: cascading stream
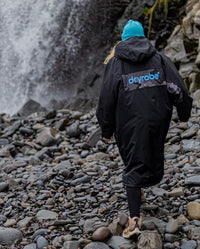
39 41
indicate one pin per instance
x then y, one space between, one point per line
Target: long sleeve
184 105
108 97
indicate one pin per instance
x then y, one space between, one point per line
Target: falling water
39 40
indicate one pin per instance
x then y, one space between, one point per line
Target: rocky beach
61 185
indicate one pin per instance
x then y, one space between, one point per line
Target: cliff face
91 57
101 34
54 53
184 46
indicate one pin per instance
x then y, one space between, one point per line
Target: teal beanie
132 29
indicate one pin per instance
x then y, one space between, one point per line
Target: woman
139 89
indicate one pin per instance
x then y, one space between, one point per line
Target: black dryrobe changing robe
139 89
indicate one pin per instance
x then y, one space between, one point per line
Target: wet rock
193 180
10 222
188 134
61 124
2 218
83 187
193 209
91 225
3 141
84 179
30 246
149 207
26 131
71 245
25 222
149 240
116 242
50 202
123 219
172 226
115 228
182 220
170 156
46 215
3 186
159 191
30 107
175 42
4 152
96 245
190 244
101 146
42 243
76 114
194 234
101 234
94 138
73 130
40 232
177 192
129 246
51 114
152 223
47 136
9 235
171 237
12 129
190 145
84 153
58 241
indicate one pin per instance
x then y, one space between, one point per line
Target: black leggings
134 201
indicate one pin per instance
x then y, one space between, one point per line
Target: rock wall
184 46
54 53
90 63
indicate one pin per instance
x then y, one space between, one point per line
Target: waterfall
39 42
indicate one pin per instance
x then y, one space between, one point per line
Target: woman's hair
112 53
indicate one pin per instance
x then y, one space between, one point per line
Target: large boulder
150 240
48 136
31 106
9 235
182 46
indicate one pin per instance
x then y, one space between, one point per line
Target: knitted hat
132 29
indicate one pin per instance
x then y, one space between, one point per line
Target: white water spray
33 33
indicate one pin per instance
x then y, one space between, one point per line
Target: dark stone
40 232
96 245
13 129
94 138
84 179
9 235
30 107
61 124
123 219
42 242
26 131
73 130
3 186
71 245
193 180
191 244
51 114
3 141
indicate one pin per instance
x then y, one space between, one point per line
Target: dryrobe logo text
147 77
